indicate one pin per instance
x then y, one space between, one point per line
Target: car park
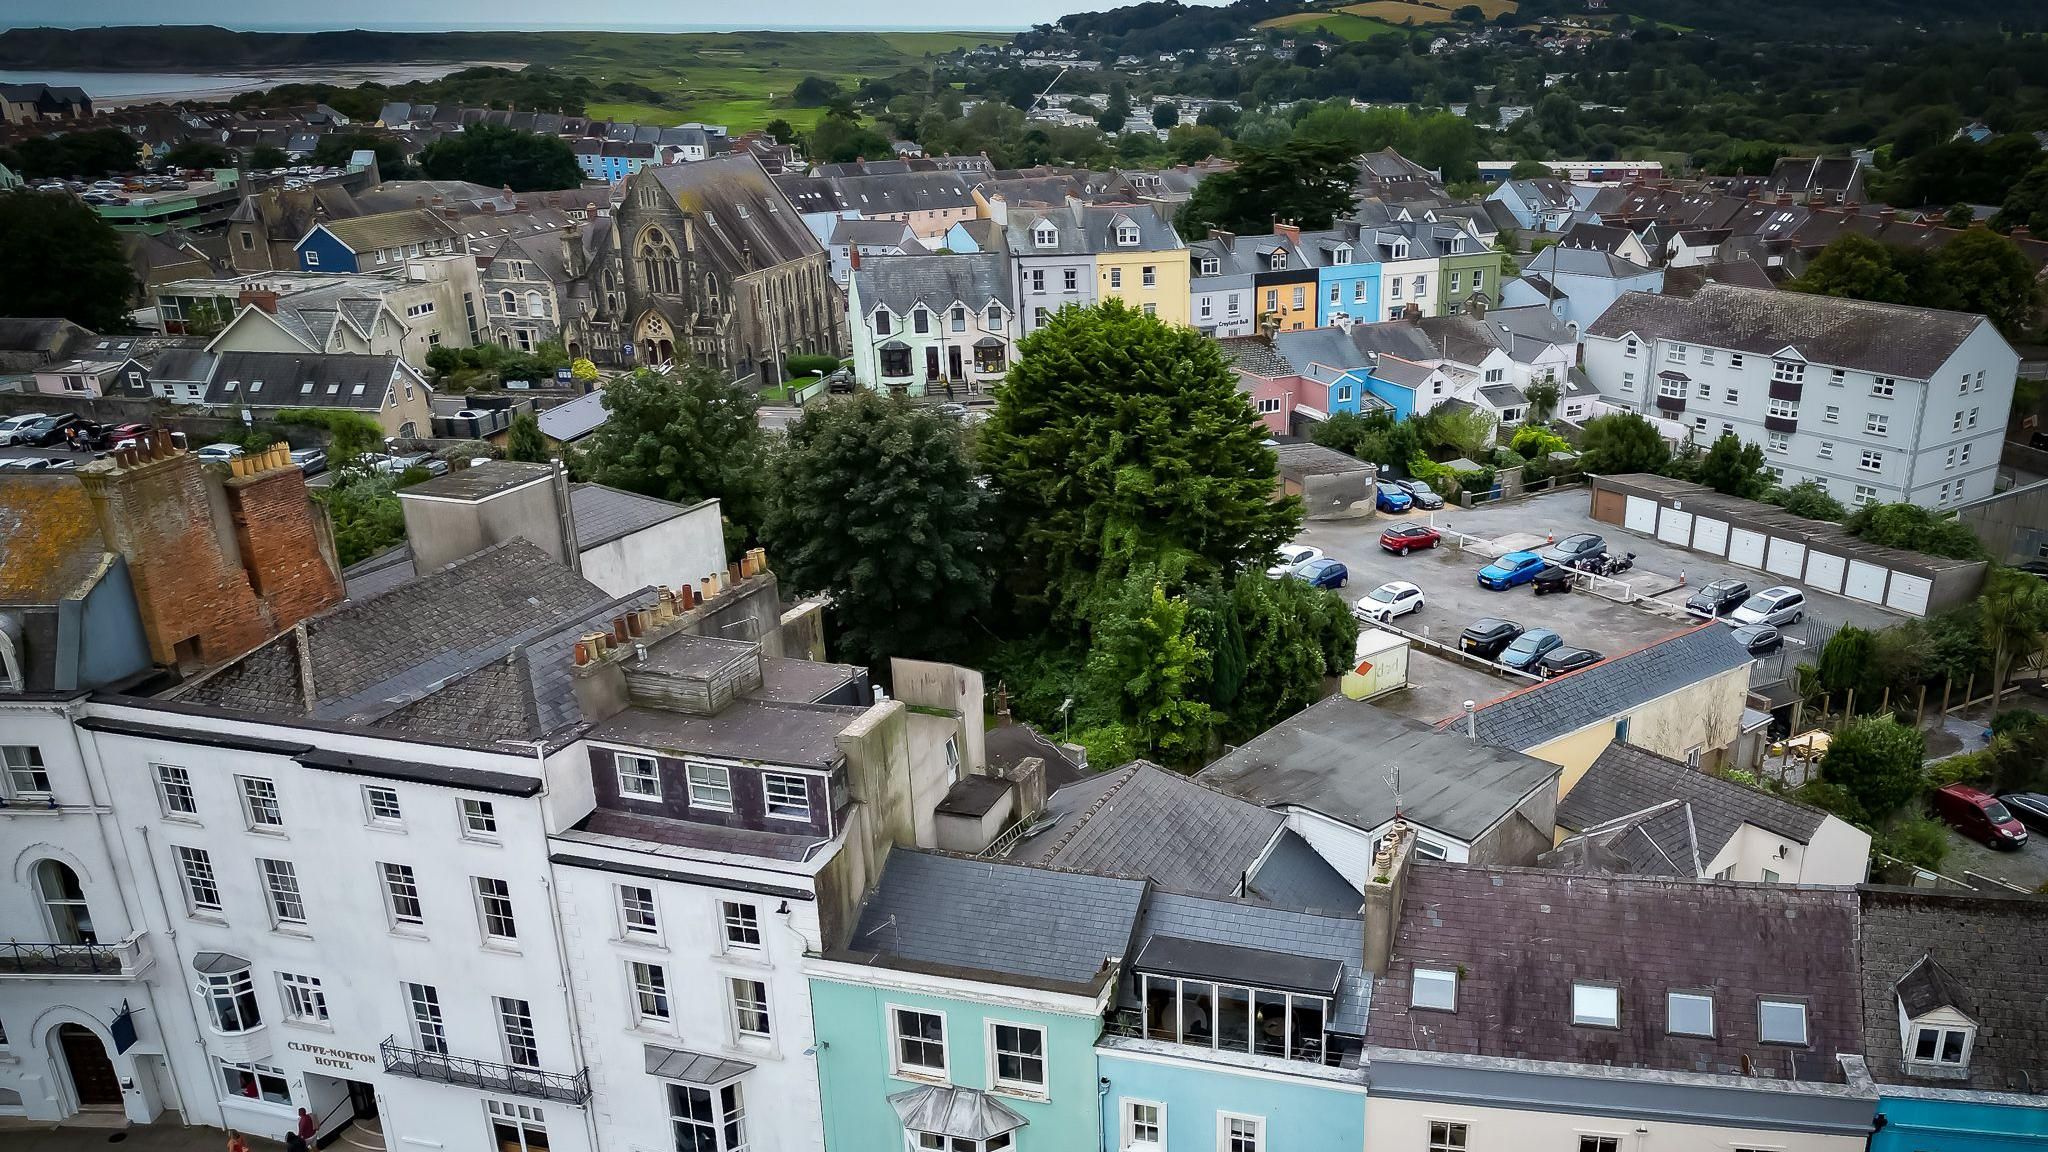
1567 659
1780 605
1979 815
1290 556
1529 648
1322 572
1510 570
1576 549
1388 498
311 461
1717 599
1390 600
1420 493
1487 636
2031 808
1759 639
219 453
49 430
1408 537
1551 578
13 425
26 464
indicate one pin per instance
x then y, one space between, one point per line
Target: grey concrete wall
1346 495
2012 525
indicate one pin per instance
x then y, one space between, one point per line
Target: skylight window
1689 1014
1597 1005
1435 988
1781 1022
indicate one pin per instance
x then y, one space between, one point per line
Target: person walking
293 1142
306 1125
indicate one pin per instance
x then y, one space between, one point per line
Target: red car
1979 815
1409 537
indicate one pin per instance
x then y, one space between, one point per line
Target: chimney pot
635 626
732 574
618 629
582 653
707 588
686 598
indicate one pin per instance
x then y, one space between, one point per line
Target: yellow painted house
1152 276
1081 254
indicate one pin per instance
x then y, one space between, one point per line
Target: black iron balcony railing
43 958
483 1074
1305 1049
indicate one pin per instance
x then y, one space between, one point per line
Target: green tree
1959 216
1459 428
687 436
58 258
1145 664
2013 608
873 500
198 154
496 156
1307 182
1117 438
1733 468
267 156
1117 112
1846 665
1622 442
1542 397
1165 115
1808 498
1876 760
1981 271
79 155
840 138
813 92
1854 266
582 371
1914 529
2026 203
1194 143
523 440
1288 636
366 515
781 131
335 148
1529 170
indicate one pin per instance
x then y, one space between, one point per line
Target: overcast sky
623 14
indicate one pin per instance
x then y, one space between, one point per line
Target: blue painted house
1347 273
1955 1012
383 240
1326 358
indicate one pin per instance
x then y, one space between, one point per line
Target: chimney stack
286 542
265 300
1384 890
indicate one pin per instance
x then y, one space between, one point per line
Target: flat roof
479 481
777 732
1237 964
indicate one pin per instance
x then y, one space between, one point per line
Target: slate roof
380 573
745 223
875 233
1599 237
1519 938
1503 396
51 335
1625 779
1006 746
1338 936
1859 334
937 282
1087 229
1301 350
50 544
579 417
988 916
1303 459
778 732
1743 272
364 234
1295 875
1545 711
1395 370
1988 948
1557 260
605 514
1334 756
1534 328
1656 841
337 380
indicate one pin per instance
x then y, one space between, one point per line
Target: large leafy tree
1981 271
1733 468
685 437
873 500
2013 611
496 156
1914 529
1808 498
1877 761
335 148
523 441
1146 666
1856 267
1305 181
58 258
1116 439
1622 442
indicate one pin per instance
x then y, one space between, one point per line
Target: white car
1384 603
1290 557
1778 605
219 453
13 425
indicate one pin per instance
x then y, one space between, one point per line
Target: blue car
1322 572
1510 570
1392 499
1530 648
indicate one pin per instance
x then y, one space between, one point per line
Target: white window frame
429 1026
1778 442
1832 414
261 809
1435 976
400 884
515 1024
747 996
692 784
202 885
1877 424
996 1052
1788 371
1865 494
1826 450
484 913
239 988
737 920
1230 1140
1674 353
26 776
1456 1135
1883 386
653 1001
1783 409
381 807
897 1067
1629 347
769 781
305 1001
1596 1004
639 776
1941 1032
1805 1024
174 793
282 894
1871 461
1671 389
479 819
638 919
1128 1110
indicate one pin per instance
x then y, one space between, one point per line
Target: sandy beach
216 87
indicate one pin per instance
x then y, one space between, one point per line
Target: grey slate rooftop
1624 780
938 282
1988 966
481 480
1333 758
605 514
770 732
1010 744
998 918
1520 938
1329 936
1545 711
1301 459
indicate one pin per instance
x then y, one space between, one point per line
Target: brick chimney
287 544
157 508
261 298
1287 229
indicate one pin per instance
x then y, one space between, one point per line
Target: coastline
263 79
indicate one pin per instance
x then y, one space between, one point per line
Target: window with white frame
1883 386
1704 390
479 819
259 804
1236 1133
1735 359
1934 1044
1972 421
174 791
639 776
1127 235
1017 1053
1826 450
637 916
1070 280
1699 425
1144 1125
787 795
231 1001
1674 354
494 910
1733 395
650 991
1784 409
742 924
1689 1013
1394 288
1269 405
1948 459
1871 461
1865 494
710 787
1447 1136
1965 453
1706 356
1628 382
1045 236
1210 266
1599 1144
1148 276
1941 496
1777 477
381 804
402 896
515 1027
202 893
1672 389
1116 277
430 1032
1788 371
1781 1021
305 1001
708 1119
1343 393
26 775
1832 414
1205 307
1778 442
919 1047
1596 1005
281 886
1358 292
1495 375
1629 347
251 1081
749 1006
1978 385
1434 988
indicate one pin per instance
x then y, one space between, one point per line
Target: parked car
50 430
1408 537
26 464
1576 549
117 435
1551 578
1388 498
840 381
1715 600
1323 572
311 461
1389 600
1978 814
1487 636
13 425
1760 639
1291 556
1529 648
956 411
2030 807
1421 493
219 453
395 465
1567 659
1510 570
1778 605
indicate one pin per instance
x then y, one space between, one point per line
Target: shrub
802 367
1917 841
1109 745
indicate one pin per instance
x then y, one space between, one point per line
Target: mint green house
963 1015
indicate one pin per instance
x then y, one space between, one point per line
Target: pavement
166 1135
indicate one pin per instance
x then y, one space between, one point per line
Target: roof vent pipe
1471 721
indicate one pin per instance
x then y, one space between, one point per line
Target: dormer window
1940 1046
1045 236
1457 244
1781 1021
1211 266
1340 256
1127 235
1277 260
1934 1026
1400 249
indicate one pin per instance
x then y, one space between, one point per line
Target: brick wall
280 540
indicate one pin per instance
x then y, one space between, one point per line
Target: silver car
1778 605
12 426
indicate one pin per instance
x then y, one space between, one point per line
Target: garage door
1675 527
1866 582
1824 572
1710 536
1745 547
1786 557
1641 515
1609 507
1909 593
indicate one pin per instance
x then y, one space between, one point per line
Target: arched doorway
64 903
85 1060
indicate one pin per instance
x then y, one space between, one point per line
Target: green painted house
1466 269
963 1014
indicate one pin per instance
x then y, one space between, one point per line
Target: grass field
1342 25
1386 14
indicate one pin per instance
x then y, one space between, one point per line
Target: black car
1488 637
52 430
2029 808
1576 549
1552 579
1563 660
1717 599
1421 493
1760 639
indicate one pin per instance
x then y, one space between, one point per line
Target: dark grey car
1576 549
1419 491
